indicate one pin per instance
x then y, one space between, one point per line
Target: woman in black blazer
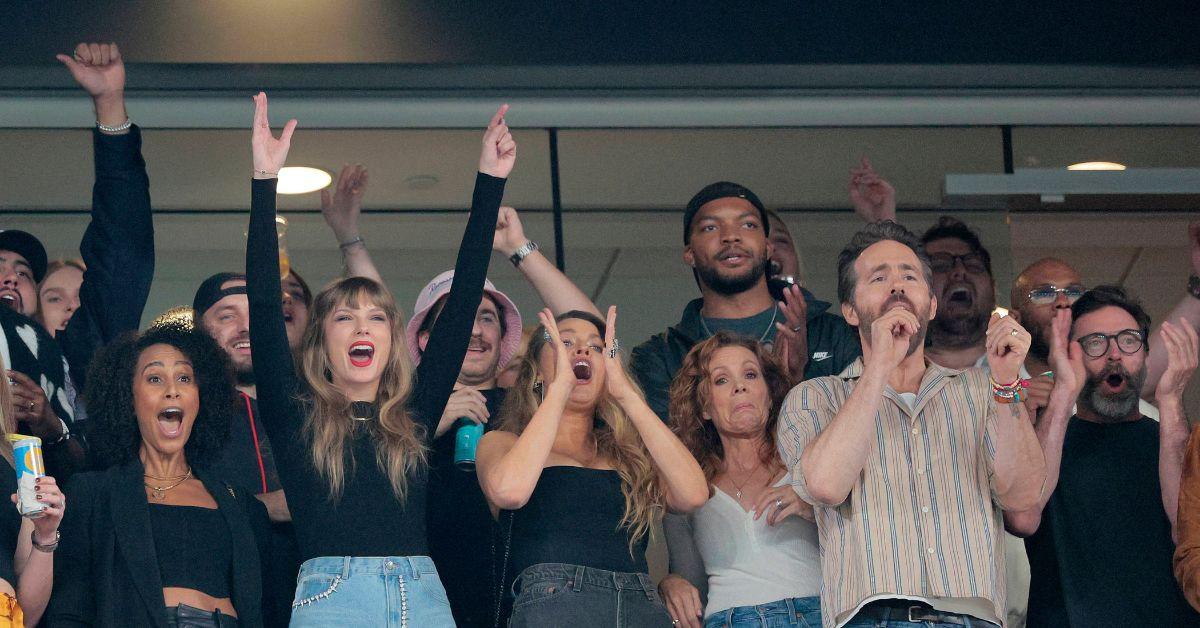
154 540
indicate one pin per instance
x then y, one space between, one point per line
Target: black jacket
832 346
106 570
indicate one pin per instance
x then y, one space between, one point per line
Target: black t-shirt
461 529
1102 555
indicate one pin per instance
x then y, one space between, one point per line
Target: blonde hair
400 447
617 440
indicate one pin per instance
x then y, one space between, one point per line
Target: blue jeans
395 591
554 594
898 618
804 612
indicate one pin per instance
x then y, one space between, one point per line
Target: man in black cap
22 266
725 229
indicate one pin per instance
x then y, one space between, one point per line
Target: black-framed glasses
944 262
1129 341
1046 294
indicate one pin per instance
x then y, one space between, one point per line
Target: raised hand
97 68
791 336
269 153
1007 344
499 150
1183 349
564 376
891 334
342 208
48 493
682 600
1066 358
874 199
616 382
510 235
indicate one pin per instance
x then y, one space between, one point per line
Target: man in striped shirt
909 464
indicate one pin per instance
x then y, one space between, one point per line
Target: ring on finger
616 346
1013 332
779 503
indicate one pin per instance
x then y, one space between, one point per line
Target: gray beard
1112 408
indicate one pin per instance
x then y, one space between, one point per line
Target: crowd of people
914 456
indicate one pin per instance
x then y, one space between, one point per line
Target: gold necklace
168 478
160 492
753 473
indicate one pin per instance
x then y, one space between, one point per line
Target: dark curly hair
112 424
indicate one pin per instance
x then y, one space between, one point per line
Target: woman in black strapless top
585 466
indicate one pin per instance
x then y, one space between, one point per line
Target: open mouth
170 421
582 369
11 300
479 348
242 346
1115 381
960 296
733 257
362 353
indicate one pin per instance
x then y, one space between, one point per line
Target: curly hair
617 440
690 394
112 423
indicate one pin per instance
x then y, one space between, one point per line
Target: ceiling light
1096 165
302 179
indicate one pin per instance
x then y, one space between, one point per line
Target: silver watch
523 252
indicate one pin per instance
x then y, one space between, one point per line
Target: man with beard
725 237
1101 535
966 293
908 464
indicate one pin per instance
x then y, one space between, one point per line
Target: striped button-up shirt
922 521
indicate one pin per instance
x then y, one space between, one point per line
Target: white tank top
749 562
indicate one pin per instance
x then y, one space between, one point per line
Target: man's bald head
1037 318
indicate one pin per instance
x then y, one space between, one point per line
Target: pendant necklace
160 492
738 494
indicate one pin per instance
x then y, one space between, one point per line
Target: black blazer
106 571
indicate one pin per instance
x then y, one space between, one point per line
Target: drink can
27 458
466 439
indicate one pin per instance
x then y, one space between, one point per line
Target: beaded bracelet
1009 393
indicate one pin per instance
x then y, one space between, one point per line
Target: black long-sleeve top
368 519
118 250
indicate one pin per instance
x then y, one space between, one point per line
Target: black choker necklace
362 410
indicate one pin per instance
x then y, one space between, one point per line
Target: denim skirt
392 591
555 594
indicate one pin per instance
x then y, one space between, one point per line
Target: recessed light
1096 165
302 180
421 182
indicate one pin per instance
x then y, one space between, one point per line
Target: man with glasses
1100 541
966 294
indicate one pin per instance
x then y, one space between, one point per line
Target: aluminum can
27 458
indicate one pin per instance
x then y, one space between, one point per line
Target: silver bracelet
47 548
520 254
114 129
351 242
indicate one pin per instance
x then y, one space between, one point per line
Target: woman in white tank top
753 545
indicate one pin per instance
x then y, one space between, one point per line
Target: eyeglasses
1129 341
1048 293
944 262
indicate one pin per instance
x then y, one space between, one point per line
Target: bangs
355 293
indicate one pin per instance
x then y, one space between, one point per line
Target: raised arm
274 372
1187 311
118 246
832 462
508 465
451 333
1066 358
35 568
686 487
1018 465
1182 347
874 199
559 293
1187 550
341 211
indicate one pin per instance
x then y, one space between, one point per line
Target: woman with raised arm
753 545
586 466
353 427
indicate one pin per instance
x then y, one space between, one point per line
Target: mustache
898 298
